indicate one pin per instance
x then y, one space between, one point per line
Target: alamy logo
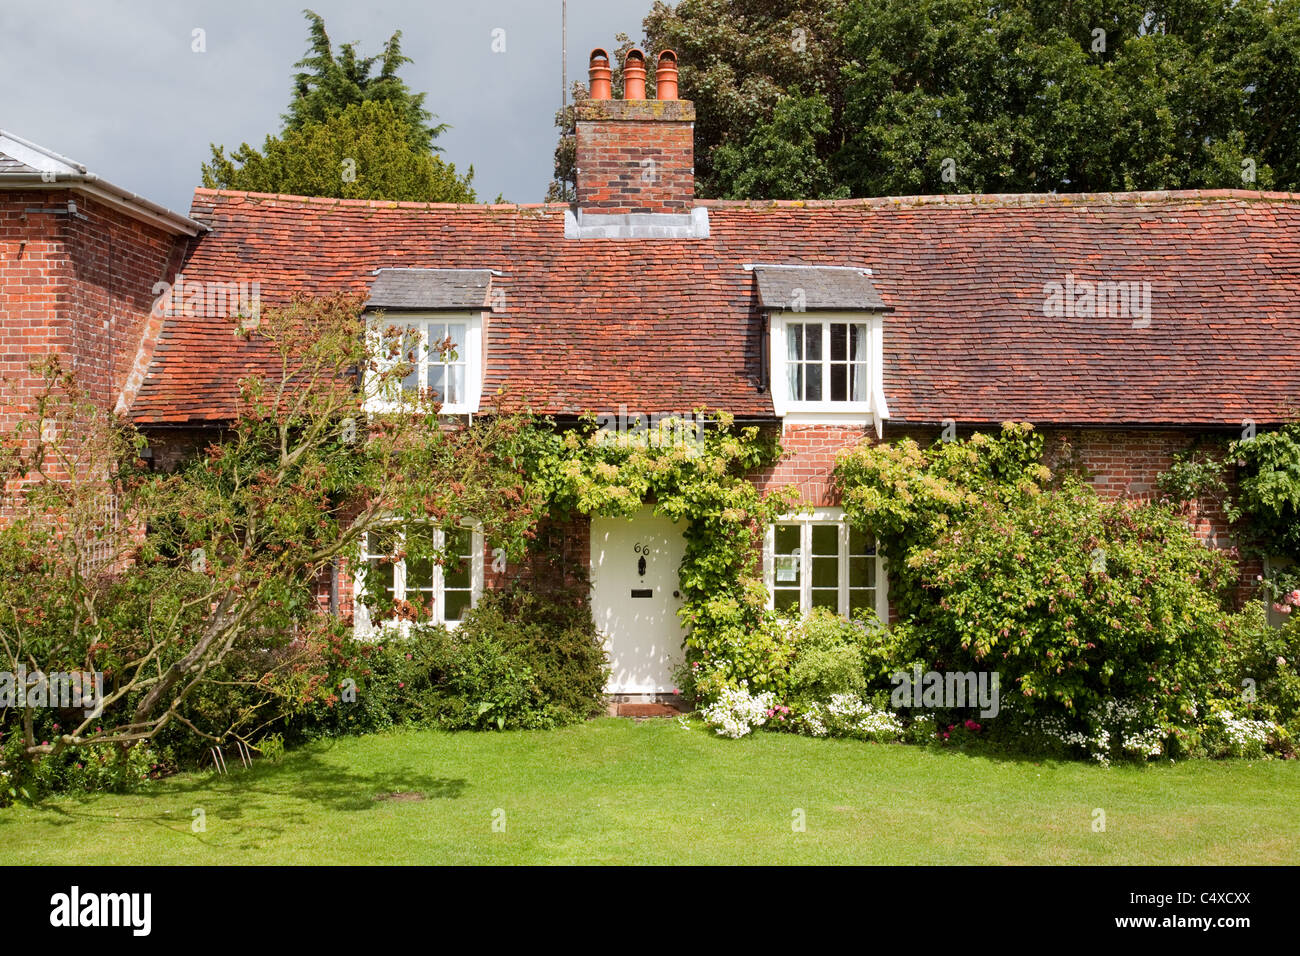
1086 299
656 430
947 689
73 909
59 689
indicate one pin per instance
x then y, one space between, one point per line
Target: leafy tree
164 582
782 158
963 96
360 152
1082 603
328 83
954 96
738 60
349 132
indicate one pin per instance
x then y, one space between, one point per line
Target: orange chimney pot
666 76
601 85
634 75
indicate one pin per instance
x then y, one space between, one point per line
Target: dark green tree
958 96
327 83
360 152
807 98
350 132
783 156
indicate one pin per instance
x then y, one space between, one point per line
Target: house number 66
644 551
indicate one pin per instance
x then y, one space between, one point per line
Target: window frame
833 517
472 359
872 410
827 362
362 624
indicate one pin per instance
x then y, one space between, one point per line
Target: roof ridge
368 203
1007 199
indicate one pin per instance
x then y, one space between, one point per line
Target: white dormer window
443 356
825 357
826 367
443 313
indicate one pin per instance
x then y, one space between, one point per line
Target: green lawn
616 791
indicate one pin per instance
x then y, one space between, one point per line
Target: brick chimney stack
635 155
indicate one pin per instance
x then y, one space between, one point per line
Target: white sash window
434 593
819 560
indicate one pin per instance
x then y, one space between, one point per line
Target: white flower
1246 738
736 712
845 715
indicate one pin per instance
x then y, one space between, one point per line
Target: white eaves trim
55 171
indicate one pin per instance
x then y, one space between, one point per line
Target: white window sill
390 408
370 631
800 416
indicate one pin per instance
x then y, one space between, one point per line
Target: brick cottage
1125 326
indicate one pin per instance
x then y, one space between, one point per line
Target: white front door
635 599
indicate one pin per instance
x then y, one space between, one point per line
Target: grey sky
114 83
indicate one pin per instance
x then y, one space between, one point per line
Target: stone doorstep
646 705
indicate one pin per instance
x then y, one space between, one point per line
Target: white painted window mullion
439 602
826 361
476 567
805 566
399 569
843 568
769 564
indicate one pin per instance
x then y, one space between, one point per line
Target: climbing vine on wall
1262 503
693 470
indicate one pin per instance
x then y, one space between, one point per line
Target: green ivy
1264 506
1268 468
699 476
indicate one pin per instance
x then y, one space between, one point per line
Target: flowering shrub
1287 602
957 732
922 730
846 715
1078 601
760 656
736 711
1115 729
1242 737
830 655
1259 678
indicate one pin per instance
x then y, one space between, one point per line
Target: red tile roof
667 325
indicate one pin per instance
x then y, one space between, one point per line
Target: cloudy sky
114 84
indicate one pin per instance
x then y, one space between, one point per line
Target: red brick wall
79 287
635 157
808 460
34 289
